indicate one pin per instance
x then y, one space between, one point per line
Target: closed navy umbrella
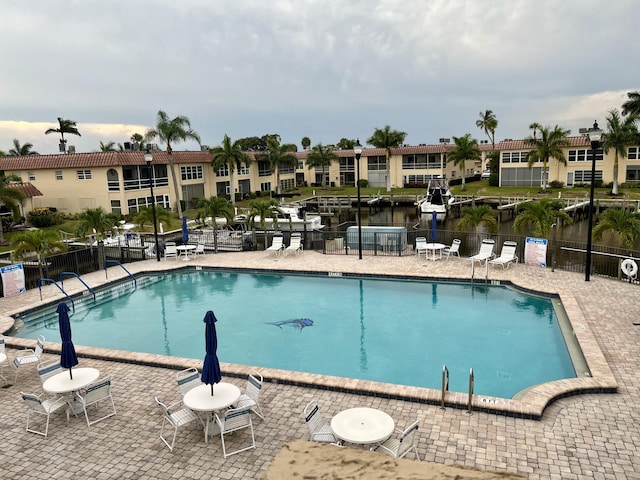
68 357
211 369
434 226
185 230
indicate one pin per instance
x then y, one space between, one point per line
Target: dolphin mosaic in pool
298 323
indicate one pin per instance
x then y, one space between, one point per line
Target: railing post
445 386
469 402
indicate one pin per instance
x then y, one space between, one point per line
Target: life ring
629 267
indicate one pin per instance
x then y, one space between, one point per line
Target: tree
107 147
632 106
10 197
549 145
64 126
538 216
42 242
476 218
488 124
263 208
621 222
138 141
321 157
145 215
94 220
21 150
305 142
466 149
215 207
620 133
229 154
277 155
172 130
346 144
387 139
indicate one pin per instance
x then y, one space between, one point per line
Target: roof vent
71 149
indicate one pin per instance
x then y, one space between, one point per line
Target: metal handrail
471 382
116 262
445 385
73 274
49 280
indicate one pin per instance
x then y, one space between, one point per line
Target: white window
632 154
223 171
31 176
584 156
58 174
115 206
243 170
193 172
83 174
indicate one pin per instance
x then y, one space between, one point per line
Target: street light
357 150
148 157
595 136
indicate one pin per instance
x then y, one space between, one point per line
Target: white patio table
362 425
185 249
199 399
62 383
434 251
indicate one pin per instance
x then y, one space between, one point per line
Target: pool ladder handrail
73 274
52 281
116 262
471 382
445 386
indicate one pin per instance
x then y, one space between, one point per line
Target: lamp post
595 136
148 157
357 150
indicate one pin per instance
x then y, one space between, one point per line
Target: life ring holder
629 267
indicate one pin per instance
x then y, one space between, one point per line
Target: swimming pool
390 331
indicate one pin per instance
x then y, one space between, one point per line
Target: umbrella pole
212 389
70 374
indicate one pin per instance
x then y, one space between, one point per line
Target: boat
288 216
438 199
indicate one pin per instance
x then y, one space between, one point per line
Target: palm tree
231 155
216 207
21 150
305 142
621 222
550 144
277 155
488 124
387 139
632 106
477 218
10 197
466 149
145 215
108 147
172 130
138 141
65 126
321 157
94 220
620 133
263 208
42 242
538 216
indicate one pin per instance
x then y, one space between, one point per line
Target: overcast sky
325 69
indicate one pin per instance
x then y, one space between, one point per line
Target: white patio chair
421 246
277 245
170 250
49 369
199 249
37 405
93 394
398 447
3 359
187 379
251 396
454 249
319 427
28 356
176 417
232 420
507 255
296 244
485 253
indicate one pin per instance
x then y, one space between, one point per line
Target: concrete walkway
585 436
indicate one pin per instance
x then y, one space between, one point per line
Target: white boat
289 216
437 199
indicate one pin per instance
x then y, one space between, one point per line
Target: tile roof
27 189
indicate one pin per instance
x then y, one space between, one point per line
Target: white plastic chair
49 369
94 393
296 244
170 250
232 420
28 355
38 405
3 359
421 246
319 427
507 255
277 245
398 447
187 379
175 417
199 249
485 253
251 396
454 249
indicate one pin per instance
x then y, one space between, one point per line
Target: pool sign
12 279
535 251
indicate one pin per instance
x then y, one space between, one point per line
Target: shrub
556 184
363 183
493 180
43 217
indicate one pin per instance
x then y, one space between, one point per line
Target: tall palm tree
477 218
145 215
621 222
215 207
10 197
94 220
549 145
466 149
42 242
488 124
65 126
22 150
277 155
138 141
387 139
620 133
321 157
172 130
263 208
632 106
107 147
538 216
229 154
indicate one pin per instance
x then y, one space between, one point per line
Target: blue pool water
390 331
